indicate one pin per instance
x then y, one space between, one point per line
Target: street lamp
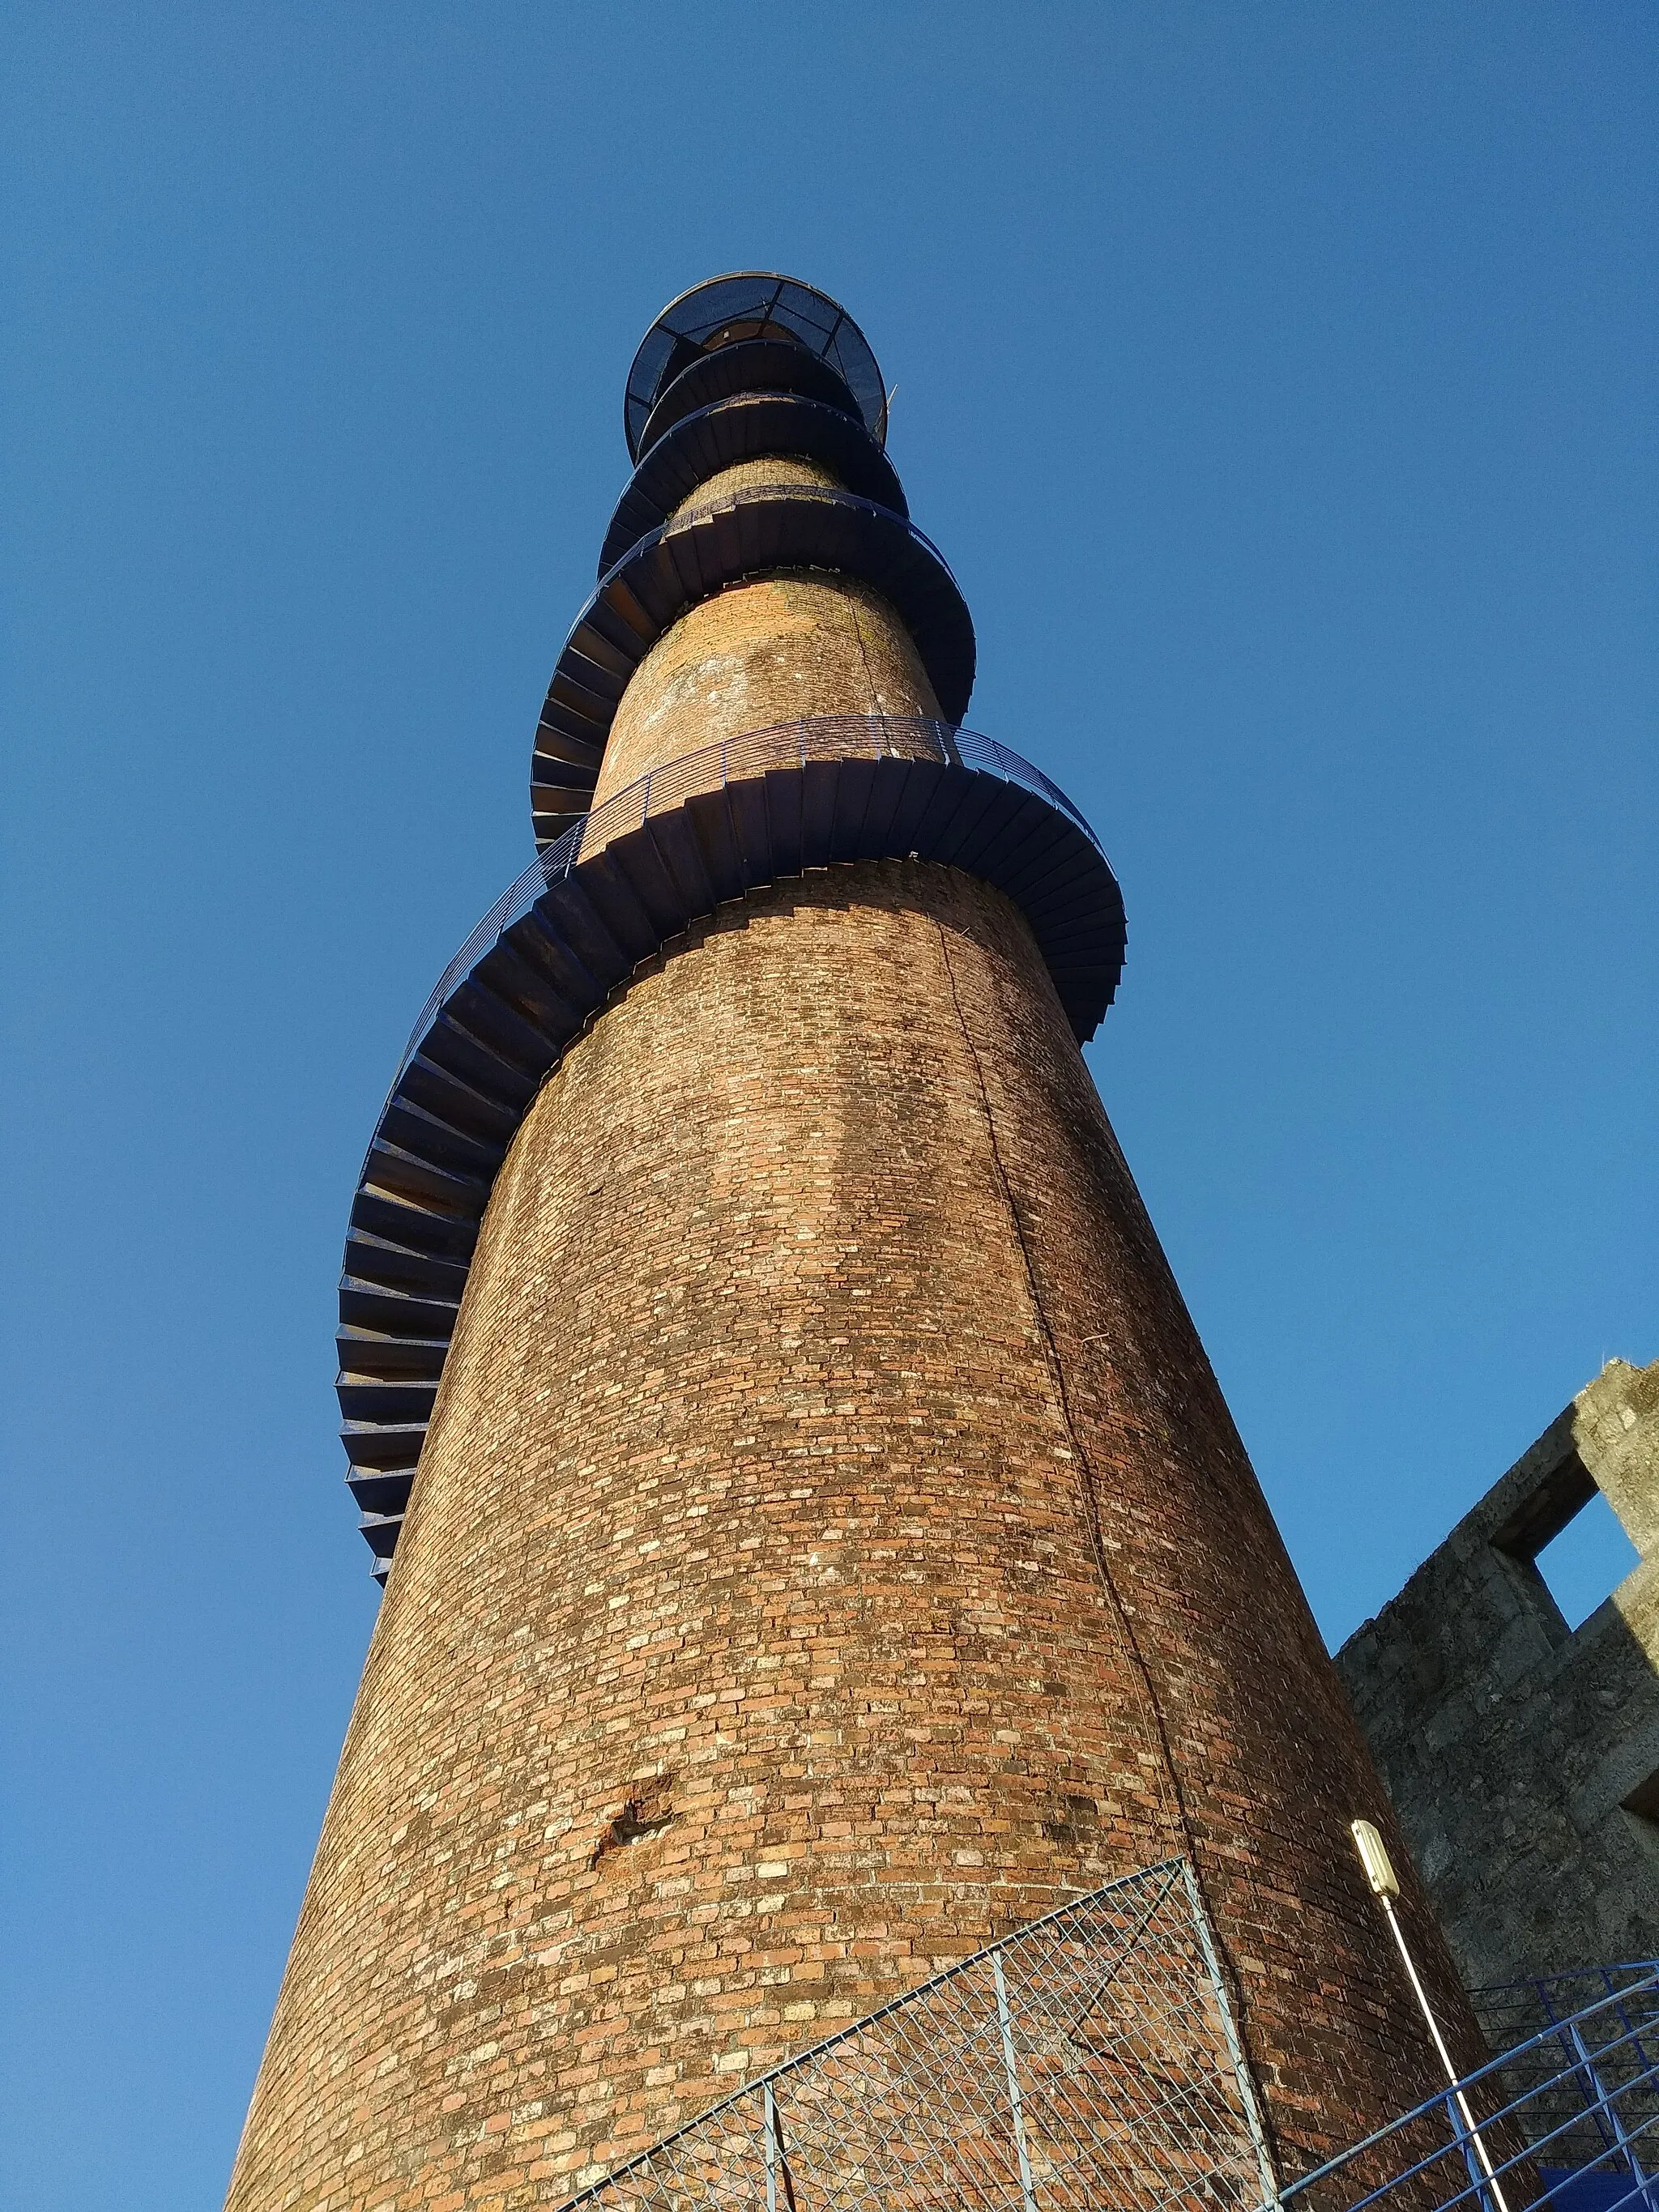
1385 1888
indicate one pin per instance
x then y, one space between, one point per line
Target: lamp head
1374 1858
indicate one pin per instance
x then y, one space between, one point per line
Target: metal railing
1568 2117
1089 2060
820 737
1599 2028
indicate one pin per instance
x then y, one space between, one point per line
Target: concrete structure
1522 1756
830 1549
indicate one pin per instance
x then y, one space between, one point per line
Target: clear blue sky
1280 381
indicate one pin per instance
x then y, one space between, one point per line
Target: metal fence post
1466 2144
1608 2101
769 2124
1028 2194
1241 2065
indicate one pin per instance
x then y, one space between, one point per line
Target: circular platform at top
733 310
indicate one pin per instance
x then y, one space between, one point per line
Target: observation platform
752 305
736 369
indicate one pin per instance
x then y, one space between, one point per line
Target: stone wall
1522 1756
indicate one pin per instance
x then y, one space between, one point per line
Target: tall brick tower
828 1549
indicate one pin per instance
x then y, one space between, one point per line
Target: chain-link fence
1091 2060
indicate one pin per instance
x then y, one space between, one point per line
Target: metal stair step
888 779
957 832
1087 932
1024 858
457 1103
615 617
682 856
481 1013
382 1492
365 1398
932 824
921 788
379 1447
537 939
783 811
558 750
563 718
551 825
420 1228
1067 892
854 783
598 652
373 1353
599 911
566 793
528 989
581 684
453 1049
380 1532
392 1167
751 827
718 845
817 813
371 1258
396 1313
419 1130
1006 820
635 853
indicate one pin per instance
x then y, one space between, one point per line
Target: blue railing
1567 2119
1551 2010
785 744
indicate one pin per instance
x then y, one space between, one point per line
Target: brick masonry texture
1522 1755
830 1551
746 476
758 655
755 1502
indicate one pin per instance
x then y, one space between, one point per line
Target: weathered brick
830 1551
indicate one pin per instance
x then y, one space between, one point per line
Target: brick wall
747 1652
761 653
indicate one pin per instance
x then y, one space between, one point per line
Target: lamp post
1385 1888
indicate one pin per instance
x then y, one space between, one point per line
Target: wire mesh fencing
1091 2060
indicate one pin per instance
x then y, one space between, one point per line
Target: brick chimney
821 1545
